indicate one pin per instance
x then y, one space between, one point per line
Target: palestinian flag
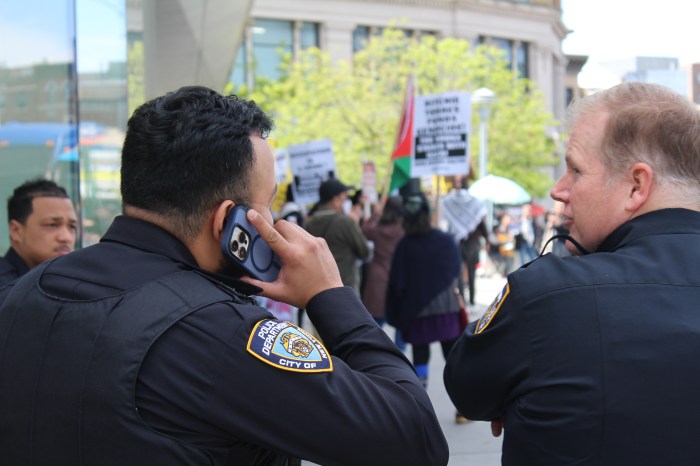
403 148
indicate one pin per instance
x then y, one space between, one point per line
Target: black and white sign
311 163
442 125
281 165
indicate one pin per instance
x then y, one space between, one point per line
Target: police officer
593 360
42 225
147 349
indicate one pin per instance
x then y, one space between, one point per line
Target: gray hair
647 123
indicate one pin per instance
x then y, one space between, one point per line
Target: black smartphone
244 246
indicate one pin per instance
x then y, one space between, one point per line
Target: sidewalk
470 444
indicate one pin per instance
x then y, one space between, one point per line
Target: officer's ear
220 214
16 231
642 180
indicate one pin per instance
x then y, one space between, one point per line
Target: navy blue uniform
204 381
11 267
593 360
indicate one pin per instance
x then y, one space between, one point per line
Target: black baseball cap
331 188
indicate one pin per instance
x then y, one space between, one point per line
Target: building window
271 40
522 59
507 47
239 68
265 42
308 36
21 100
516 53
361 35
568 96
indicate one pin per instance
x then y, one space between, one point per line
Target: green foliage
358 105
135 73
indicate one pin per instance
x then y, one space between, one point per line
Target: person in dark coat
42 224
148 349
421 298
592 359
384 228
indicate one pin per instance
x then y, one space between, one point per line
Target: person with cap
341 232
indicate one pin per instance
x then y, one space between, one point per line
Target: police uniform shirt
11 267
208 381
593 360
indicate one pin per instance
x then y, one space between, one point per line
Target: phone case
244 246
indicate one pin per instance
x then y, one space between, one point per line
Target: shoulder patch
492 309
285 346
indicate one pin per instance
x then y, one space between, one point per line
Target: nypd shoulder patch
492 309
285 346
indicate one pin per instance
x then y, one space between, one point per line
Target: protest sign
369 181
442 125
311 164
281 166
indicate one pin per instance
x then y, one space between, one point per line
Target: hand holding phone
309 266
242 244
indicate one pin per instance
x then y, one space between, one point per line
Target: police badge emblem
285 346
492 309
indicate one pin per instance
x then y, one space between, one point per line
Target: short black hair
19 205
189 150
356 197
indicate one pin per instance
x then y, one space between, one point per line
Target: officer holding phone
147 348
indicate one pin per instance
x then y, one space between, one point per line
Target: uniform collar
16 262
149 237
664 221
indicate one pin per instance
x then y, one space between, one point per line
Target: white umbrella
499 191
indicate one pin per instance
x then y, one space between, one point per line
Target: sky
100 29
608 30
602 29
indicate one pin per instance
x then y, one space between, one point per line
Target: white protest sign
311 164
281 165
441 125
369 181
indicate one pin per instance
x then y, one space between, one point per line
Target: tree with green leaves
358 105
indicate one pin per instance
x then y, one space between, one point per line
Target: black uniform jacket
11 267
201 384
593 360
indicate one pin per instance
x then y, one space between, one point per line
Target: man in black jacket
147 348
593 359
42 224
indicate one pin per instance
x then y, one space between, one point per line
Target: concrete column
191 42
